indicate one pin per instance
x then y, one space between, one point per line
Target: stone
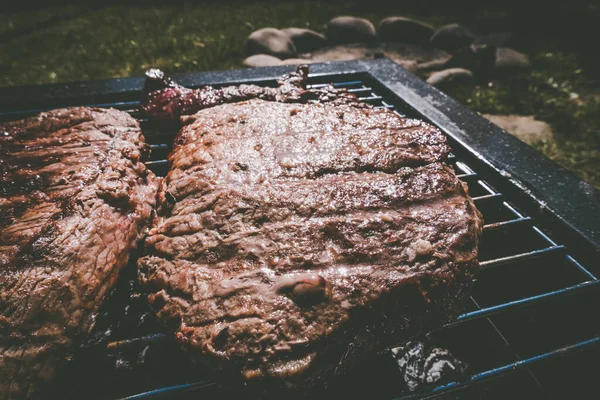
452 37
305 40
479 59
343 30
404 30
524 127
262 60
440 78
270 41
296 61
410 56
509 59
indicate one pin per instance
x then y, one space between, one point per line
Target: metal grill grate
511 242
534 302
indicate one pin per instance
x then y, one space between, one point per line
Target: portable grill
532 329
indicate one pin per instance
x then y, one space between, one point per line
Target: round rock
479 59
343 30
262 60
452 37
450 75
404 30
305 40
270 41
509 59
411 56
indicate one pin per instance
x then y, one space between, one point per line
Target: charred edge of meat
164 99
298 78
157 80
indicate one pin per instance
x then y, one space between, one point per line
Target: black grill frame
549 202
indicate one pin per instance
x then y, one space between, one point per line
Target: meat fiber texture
292 241
74 200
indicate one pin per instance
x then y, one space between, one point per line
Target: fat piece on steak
294 240
74 200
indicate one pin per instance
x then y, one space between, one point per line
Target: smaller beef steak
163 99
74 200
294 240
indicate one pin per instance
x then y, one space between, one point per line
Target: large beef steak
294 240
74 199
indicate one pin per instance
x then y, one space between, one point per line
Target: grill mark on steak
330 194
383 237
279 151
247 211
197 165
243 119
307 155
288 231
67 237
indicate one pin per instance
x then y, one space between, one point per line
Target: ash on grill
425 366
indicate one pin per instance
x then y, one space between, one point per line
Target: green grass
556 92
119 41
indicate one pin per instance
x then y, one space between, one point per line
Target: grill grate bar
467 176
522 256
505 342
464 167
581 267
486 186
544 236
186 387
504 224
356 91
388 107
157 163
371 98
527 301
487 197
159 146
513 210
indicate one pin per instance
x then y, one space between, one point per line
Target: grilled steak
294 240
74 199
163 99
